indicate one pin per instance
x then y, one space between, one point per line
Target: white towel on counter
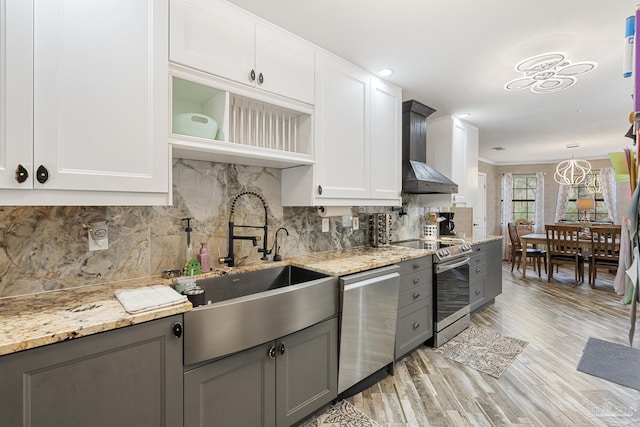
147 298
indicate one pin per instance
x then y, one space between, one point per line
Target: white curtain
608 182
539 219
563 199
507 209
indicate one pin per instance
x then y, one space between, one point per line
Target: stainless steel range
451 297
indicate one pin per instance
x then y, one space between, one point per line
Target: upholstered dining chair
563 248
518 252
605 249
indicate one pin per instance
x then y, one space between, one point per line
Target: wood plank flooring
541 388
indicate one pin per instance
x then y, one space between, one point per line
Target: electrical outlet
356 223
325 225
98 236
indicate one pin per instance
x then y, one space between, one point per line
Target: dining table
535 239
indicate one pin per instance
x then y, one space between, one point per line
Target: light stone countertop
30 321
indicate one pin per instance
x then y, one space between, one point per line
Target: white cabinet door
214 37
101 95
386 142
342 130
285 64
16 92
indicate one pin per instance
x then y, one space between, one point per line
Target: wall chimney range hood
417 176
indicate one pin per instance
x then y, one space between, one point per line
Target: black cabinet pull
477 291
319 189
272 352
252 76
21 174
416 266
282 348
42 174
260 78
177 329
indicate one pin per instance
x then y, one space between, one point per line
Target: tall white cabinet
84 100
357 141
452 147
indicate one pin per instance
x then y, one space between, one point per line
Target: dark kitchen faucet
276 255
229 259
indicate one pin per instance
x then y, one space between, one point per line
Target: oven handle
441 268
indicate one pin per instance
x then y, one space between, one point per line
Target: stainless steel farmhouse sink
248 309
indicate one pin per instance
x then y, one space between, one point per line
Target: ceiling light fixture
385 72
573 171
549 72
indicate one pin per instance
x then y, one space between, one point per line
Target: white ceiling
456 56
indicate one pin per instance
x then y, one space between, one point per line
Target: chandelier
572 172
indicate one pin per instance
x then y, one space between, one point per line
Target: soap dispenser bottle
203 257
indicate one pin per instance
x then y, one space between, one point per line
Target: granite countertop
30 321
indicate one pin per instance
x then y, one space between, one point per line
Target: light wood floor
542 387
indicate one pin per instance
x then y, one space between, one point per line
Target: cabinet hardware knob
477 291
478 260
416 266
478 270
42 174
272 352
416 280
416 295
282 348
21 174
319 189
416 325
252 75
177 329
260 78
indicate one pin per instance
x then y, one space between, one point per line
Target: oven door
452 292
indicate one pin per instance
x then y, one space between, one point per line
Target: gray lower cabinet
485 273
130 376
414 325
274 384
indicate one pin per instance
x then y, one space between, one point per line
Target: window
524 197
599 214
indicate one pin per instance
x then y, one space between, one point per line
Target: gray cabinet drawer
478 258
477 270
416 294
477 291
412 281
414 265
414 326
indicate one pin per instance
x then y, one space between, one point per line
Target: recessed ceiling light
385 72
549 72
498 148
464 115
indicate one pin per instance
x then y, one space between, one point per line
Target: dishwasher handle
372 281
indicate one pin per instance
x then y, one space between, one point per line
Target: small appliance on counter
447 225
379 229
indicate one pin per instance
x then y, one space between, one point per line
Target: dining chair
523 226
517 251
605 249
563 248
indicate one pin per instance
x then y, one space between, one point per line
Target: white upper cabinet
357 136
386 140
452 147
218 38
94 76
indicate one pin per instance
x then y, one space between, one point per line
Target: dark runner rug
483 349
342 414
612 362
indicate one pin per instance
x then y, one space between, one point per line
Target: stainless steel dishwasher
369 307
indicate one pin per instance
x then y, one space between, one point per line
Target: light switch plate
356 223
325 225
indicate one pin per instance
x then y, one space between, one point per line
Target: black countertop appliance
447 226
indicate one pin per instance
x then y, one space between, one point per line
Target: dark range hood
417 176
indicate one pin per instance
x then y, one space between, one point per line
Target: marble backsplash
45 248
